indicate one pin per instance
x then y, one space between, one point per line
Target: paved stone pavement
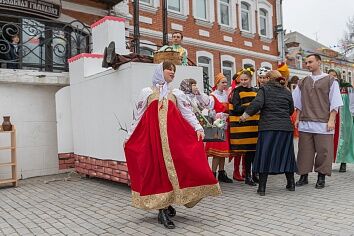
98 207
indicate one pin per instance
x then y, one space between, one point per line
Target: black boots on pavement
290 181
343 167
164 218
320 181
319 184
222 177
303 180
262 183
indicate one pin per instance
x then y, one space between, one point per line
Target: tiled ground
97 207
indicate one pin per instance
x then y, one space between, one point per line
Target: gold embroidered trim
166 152
188 197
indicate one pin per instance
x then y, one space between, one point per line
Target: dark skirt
275 153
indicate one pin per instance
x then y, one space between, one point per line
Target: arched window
350 77
202 9
245 17
298 61
228 67
265 15
225 12
247 63
263 22
175 5
205 62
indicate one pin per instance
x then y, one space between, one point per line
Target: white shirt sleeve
184 107
297 98
335 99
204 101
139 109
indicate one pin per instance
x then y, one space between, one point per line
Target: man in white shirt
317 99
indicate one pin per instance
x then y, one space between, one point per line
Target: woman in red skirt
220 150
165 152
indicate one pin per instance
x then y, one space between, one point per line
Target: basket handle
169 49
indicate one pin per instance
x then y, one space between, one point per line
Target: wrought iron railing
43 44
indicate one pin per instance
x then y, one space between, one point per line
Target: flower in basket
220 123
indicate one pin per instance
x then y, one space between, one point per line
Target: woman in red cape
220 150
164 151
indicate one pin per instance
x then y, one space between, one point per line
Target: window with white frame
206 63
263 22
349 77
228 70
175 5
245 17
201 9
344 77
248 63
225 12
298 61
147 2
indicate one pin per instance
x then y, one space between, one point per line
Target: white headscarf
158 81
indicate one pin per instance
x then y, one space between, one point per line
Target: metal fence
42 44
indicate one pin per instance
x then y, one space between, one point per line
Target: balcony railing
43 44
46 45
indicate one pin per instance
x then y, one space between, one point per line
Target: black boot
165 220
249 180
303 180
171 211
222 177
320 181
255 178
290 181
343 167
111 53
104 61
262 183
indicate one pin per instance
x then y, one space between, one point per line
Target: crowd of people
168 161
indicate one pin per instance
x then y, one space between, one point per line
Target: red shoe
237 176
243 167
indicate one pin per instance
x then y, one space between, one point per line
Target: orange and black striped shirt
243 135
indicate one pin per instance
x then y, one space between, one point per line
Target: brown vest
315 99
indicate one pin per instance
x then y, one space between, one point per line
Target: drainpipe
282 33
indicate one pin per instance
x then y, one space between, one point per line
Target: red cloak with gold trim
166 163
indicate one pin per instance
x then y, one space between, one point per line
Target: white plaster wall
32 110
98 99
63 116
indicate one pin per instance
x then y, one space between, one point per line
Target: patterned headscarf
218 78
158 81
186 86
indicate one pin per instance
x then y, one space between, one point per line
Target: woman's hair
249 72
336 71
168 65
192 81
276 76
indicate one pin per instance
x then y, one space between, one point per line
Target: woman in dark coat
275 148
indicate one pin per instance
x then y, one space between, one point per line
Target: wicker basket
167 55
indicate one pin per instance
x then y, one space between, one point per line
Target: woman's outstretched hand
200 135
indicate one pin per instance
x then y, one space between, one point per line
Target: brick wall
191 30
66 161
106 169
